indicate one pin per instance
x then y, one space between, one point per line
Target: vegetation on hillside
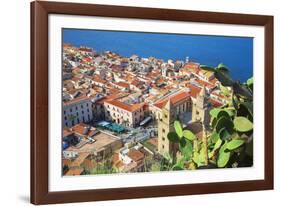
230 140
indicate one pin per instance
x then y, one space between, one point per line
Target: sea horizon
235 52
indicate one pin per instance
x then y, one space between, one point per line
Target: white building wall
77 113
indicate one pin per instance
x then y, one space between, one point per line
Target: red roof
80 128
98 79
215 103
66 162
194 66
153 141
75 171
218 95
85 49
137 83
135 155
127 107
76 100
174 99
80 159
213 81
206 84
115 158
67 132
106 98
122 84
66 45
194 90
87 59
75 79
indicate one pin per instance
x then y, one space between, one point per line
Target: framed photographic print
131 102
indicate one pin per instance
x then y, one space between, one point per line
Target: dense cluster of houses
105 86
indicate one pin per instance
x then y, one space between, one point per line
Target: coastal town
118 111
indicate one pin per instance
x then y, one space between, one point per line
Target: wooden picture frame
40 193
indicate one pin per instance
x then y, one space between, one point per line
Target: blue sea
235 52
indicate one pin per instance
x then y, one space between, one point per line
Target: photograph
137 102
132 102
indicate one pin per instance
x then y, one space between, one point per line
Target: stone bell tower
201 108
166 125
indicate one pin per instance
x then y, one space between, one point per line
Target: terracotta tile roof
215 103
129 77
85 49
127 107
152 75
154 141
195 67
174 99
137 83
83 129
135 155
107 98
66 162
76 100
75 171
75 79
194 90
214 81
80 128
205 84
80 159
124 59
119 104
129 167
67 132
119 164
135 107
218 95
113 91
122 84
86 60
73 91
66 45
99 79
161 104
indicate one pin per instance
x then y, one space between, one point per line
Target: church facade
199 109
171 108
